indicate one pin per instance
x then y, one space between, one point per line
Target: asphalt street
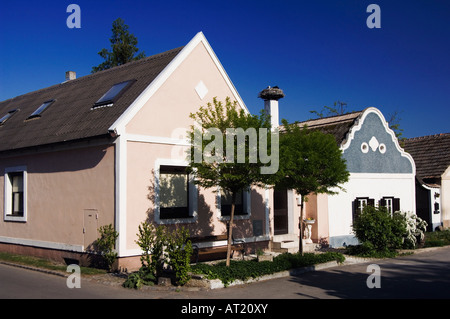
423 275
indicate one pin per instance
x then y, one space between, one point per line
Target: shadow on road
401 278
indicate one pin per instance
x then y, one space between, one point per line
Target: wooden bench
236 245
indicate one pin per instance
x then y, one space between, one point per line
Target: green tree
235 169
310 162
123 48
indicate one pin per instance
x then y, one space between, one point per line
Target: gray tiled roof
70 117
338 125
431 154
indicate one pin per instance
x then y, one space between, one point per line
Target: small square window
113 94
226 201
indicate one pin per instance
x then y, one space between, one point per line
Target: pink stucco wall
62 185
166 114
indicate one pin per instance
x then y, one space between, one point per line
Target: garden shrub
105 244
137 279
151 240
164 251
381 233
378 231
179 252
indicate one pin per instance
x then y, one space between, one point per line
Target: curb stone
43 270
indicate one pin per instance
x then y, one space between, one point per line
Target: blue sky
317 51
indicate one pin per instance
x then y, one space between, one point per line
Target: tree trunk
300 226
230 228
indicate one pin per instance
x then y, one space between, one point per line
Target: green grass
437 238
45 263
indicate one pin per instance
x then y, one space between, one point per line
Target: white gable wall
378 168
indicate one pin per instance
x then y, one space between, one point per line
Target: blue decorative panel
372 149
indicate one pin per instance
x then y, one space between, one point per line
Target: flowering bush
415 228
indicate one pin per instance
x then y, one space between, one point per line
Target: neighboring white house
381 174
432 156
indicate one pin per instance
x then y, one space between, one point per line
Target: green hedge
246 269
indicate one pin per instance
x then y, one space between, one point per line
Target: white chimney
71 75
271 95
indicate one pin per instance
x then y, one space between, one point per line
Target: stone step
291 246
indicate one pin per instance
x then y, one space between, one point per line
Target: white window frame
193 195
7 210
362 202
389 204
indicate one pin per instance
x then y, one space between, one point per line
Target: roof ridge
143 60
417 138
333 117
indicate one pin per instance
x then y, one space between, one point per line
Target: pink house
100 149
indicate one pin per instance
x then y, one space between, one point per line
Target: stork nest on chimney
271 93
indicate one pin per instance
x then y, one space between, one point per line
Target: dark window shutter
382 202
436 208
355 209
396 204
371 202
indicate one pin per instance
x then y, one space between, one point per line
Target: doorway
90 233
280 212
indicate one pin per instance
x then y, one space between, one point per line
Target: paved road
422 275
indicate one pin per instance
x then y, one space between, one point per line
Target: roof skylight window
113 94
41 109
7 116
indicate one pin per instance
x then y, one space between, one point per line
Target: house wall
445 198
373 186
63 188
317 208
167 111
436 215
156 135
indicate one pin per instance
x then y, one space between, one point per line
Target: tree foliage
310 162
123 48
218 167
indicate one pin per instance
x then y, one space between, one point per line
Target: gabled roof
431 154
338 125
70 116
